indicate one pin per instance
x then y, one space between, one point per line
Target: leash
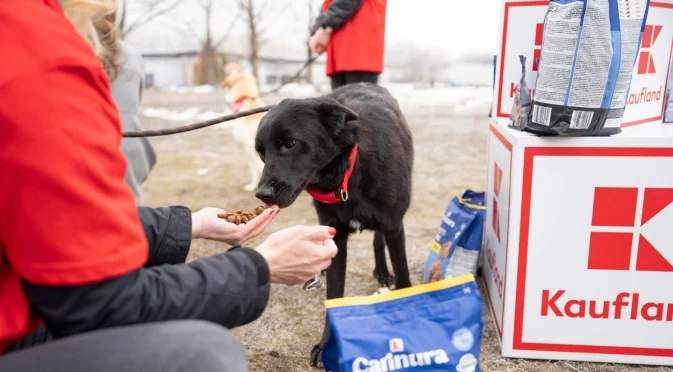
194 126
221 119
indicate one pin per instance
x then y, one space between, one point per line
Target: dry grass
450 157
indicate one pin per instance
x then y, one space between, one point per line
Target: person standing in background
352 32
124 67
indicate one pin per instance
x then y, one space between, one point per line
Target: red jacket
359 44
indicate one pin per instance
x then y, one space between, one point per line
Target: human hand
298 253
319 40
206 225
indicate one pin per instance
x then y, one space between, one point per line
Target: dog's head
231 68
241 85
296 140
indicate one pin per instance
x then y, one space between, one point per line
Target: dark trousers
176 346
342 78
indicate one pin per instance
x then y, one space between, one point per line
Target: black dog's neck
330 177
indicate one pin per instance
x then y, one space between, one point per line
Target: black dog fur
305 143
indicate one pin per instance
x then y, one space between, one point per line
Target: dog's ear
334 115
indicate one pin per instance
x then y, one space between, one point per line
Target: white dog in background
243 94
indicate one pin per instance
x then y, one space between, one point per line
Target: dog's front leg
336 283
381 267
395 241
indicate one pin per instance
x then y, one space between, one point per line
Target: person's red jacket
73 251
359 44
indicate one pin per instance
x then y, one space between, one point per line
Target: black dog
307 144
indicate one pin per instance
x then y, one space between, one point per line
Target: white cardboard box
578 245
520 33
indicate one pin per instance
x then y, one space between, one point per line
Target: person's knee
210 347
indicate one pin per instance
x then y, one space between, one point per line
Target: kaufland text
624 305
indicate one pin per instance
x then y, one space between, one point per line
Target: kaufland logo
646 66
497 183
396 345
623 239
645 60
630 231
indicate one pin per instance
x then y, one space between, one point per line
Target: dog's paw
385 280
316 356
381 291
250 187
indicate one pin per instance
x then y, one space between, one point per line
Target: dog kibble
238 217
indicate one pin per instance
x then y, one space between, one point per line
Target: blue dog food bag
455 250
430 327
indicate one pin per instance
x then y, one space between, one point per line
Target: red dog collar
340 195
236 107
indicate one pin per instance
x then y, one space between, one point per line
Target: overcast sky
451 27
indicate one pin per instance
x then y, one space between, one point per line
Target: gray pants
177 346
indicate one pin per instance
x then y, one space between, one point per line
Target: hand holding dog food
298 253
206 224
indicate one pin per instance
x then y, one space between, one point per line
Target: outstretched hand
206 225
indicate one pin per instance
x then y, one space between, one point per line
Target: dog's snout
266 194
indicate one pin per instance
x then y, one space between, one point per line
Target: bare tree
253 12
207 70
145 11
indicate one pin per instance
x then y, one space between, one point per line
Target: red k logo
632 228
497 182
645 60
537 50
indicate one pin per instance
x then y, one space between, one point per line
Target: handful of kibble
240 217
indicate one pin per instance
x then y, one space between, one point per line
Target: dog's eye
289 144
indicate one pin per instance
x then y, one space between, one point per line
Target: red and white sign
521 34
647 95
497 224
589 258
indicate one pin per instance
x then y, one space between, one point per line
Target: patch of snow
190 89
295 90
447 100
192 114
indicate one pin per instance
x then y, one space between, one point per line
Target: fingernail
332 231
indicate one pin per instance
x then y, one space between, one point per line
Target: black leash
218 120
194 126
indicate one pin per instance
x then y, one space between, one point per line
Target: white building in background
169 68
177 68
166 70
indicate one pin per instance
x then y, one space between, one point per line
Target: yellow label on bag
400 293
436 247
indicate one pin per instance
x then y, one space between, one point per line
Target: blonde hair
91 20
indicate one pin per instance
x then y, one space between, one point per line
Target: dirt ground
202 168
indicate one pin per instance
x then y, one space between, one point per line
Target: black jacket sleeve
337 14
230 289
169 234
